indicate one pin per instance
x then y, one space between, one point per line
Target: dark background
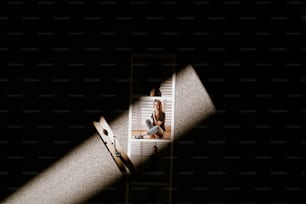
65 63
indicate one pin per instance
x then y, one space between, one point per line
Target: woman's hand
154 116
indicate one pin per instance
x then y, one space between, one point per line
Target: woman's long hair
160 104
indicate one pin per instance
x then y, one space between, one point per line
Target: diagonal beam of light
89 168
